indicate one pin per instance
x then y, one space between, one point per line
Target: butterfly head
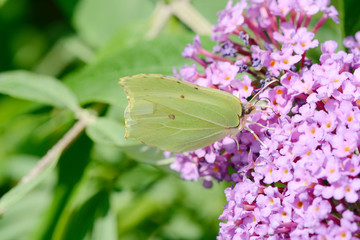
249 109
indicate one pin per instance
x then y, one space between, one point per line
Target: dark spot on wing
171 116
178 82
196 88
182 96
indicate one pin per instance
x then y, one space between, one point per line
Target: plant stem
84 119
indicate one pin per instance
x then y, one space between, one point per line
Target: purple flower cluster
305 184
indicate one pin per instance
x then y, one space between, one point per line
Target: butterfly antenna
268 99
261 90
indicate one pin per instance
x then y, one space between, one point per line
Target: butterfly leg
233 136
264 111
259 124
256 136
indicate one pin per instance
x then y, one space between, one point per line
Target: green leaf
12 107
351 19
81 220
39 88
99 81
2 2
17 166
109 131
105 227
20 222
71 168
329 31
97 21
174 229
19 191
134 33
67 6
145 153
209 11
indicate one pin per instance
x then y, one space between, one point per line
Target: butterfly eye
249 109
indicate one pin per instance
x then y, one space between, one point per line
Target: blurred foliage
71 54
350 9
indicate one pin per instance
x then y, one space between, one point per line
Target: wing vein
185 129
191 115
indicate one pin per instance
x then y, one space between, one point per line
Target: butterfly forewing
175 115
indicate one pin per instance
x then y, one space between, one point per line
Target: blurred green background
72 53
102 187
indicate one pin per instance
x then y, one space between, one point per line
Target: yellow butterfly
178 116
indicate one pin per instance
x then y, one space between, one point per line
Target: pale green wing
207 103
160 131
175 115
